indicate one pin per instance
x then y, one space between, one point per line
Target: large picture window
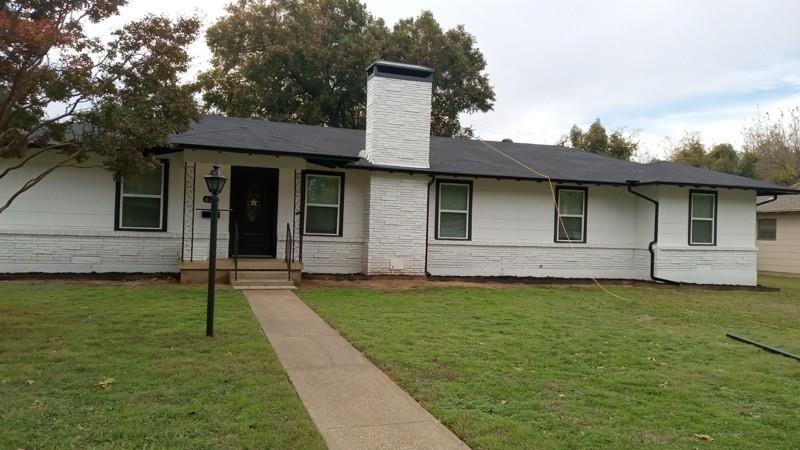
570 214
454 210
324 195
767 229
142 200
702 218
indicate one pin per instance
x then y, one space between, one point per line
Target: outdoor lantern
215 181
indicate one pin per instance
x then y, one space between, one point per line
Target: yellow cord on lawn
555 203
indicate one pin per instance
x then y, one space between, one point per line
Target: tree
596 140
67 94
459 84
722 157
304 61
748 164
776 142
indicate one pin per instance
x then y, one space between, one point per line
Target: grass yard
62 344
572 367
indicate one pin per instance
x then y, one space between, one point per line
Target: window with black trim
571 214
323 199
454 210
702 218
142 200
767 229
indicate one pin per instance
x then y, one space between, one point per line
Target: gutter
428 222
652 243
774 197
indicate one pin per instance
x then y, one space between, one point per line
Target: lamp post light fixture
215 182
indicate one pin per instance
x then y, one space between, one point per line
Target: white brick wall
396 231
398 122
707 265
467 259
88 251
513 228
333 255
201 246
337 254
732 261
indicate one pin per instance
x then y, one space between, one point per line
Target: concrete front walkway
352 402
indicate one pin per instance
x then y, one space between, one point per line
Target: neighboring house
778 234
391 200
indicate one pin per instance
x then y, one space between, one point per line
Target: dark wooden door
254 201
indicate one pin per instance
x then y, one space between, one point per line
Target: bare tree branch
23 162
75 166
35 180
58 145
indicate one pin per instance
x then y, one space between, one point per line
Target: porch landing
197 271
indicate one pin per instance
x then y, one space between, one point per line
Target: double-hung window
767 229
702 218
570 214
454 210
324 194
142 200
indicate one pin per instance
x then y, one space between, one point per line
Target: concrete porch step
261 275
288 287
263 283
249 268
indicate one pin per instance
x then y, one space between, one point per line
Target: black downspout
428 224
774 197
295 213
301 212
655 236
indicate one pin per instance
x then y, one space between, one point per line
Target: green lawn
573 367
172 387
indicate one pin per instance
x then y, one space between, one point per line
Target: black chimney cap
391 69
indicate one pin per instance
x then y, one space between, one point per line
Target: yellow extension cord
555 203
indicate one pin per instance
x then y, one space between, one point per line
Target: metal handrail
235 250
288 253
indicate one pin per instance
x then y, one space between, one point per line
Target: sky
658 68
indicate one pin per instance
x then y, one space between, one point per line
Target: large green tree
304 61
76 97
595 139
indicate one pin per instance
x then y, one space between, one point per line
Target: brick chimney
398 114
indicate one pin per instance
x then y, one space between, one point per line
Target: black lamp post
215 182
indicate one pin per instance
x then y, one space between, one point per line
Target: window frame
340 206
119 194
714 219
584 217
438 236
775 229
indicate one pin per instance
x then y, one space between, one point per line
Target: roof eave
434 172
759 190
249 151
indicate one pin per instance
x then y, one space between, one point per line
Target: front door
254 204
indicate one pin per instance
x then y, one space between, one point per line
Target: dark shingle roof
784 203
667 172
256 135
453 156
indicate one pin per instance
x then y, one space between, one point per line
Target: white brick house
390 200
